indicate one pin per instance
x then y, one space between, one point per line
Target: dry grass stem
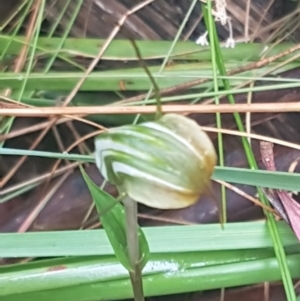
151 109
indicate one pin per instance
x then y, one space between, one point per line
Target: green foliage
278 247
96 278
210 259
164 239
112 217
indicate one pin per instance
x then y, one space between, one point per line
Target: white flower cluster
220 15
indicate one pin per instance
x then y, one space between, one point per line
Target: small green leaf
113 219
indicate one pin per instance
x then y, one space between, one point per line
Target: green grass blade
64 37
103 278
245 235
120 49
272 225
262 178
31 272
135 80
209 21
37 29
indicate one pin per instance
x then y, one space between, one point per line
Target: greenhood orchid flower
164 164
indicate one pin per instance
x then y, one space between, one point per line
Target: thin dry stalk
180 109
21 59
41 205
245 195
39 179
18 67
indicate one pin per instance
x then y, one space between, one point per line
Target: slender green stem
166 60
6 123
133 248
151 78
209 21
272 225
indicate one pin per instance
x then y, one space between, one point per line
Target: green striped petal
165 164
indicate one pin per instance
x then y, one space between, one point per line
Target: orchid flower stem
133 248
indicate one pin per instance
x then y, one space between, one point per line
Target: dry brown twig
180 109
